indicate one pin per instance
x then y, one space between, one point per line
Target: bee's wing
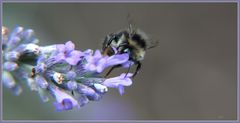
152 44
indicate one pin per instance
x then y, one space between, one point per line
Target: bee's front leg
139 64
116 66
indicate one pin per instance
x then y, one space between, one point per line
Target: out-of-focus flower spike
43 95
12 56
17 90
28 36
5 31
8 79
32 84
13 42
10 83
17 31
14 38
10 66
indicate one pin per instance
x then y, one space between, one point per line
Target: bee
132 41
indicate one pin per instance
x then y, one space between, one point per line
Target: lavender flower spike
72 77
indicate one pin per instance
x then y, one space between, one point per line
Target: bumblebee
132 41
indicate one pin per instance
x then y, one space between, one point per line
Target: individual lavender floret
66 52
71 76
98 62
63 100
119 82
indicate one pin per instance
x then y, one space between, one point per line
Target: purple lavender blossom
66 52
72 77
98 62
119 82
63 100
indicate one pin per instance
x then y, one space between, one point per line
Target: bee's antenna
130 24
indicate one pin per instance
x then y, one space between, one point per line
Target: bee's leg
137 69
72 93
128 71
116 66
110 40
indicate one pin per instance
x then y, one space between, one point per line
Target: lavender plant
72 77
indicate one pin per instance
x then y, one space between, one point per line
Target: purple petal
60 56
88 52
9 82
66 104
97 54
8 79
12 56
61 95
61 48
17 31
127 64
76 54
117 59
59 106
72 85
41 81
72 61
89 92
120 80
69 46
10 66
83 100
101 65
71 75
91 67
28 34
89 59
121 89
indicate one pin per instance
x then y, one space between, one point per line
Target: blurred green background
191 75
